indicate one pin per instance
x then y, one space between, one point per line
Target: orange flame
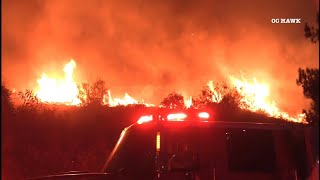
117 101
63 91
256 97
216 96
126 100
188 102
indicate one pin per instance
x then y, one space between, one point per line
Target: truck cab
194 145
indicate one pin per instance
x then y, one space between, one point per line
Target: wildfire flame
126 100
255 95
216 96
188 102
52 90
65 91
117 101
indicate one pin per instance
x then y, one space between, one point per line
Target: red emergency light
144 119
176 117
202 116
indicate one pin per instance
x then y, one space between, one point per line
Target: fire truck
192 144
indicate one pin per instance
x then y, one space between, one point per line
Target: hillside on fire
76 73
45 138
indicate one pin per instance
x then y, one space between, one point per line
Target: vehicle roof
220 124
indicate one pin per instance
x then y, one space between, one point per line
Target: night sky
151 48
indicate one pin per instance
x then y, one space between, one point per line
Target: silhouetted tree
209 95
222 94
309 80
312 32
30 102
203 99
232 99
174 101
6 101
93 93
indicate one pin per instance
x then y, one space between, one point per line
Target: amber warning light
158 142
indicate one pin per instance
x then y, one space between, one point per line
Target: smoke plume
151 48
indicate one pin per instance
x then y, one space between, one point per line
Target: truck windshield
134 155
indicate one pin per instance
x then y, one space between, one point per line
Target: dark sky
150 48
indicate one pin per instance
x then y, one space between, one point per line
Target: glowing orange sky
150 48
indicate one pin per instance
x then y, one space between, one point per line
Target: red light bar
176 117
203 115
144 119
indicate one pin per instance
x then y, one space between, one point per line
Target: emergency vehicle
192 144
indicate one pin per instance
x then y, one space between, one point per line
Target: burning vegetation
254 96
146 42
